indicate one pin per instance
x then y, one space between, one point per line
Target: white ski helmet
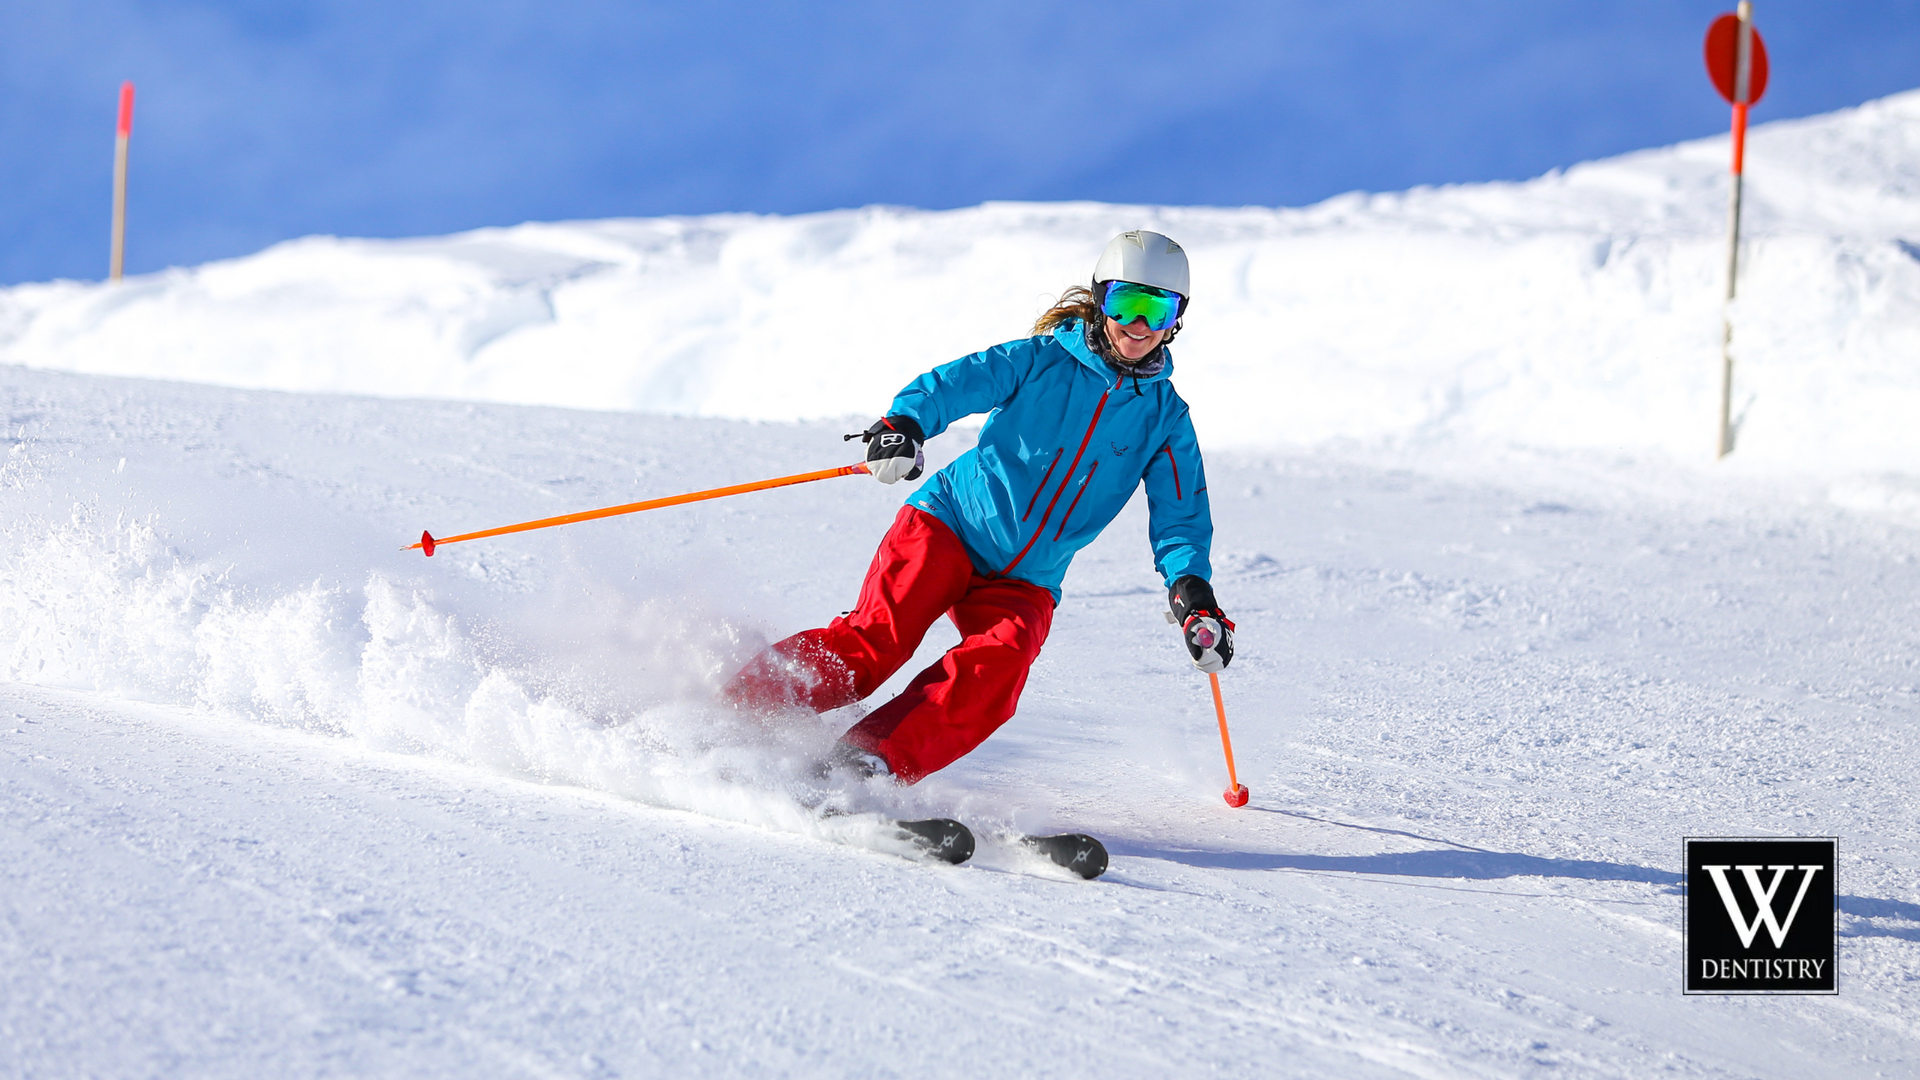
1144 258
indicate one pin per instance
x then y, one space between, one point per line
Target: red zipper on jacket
1064 481
1068 516
1168 450
1042 485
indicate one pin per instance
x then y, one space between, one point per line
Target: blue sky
259 121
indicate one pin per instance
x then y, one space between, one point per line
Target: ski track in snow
282 799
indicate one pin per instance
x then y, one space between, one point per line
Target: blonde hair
1075 303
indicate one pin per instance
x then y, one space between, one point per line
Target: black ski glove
893 449
1208 631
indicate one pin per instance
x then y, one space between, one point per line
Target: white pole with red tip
116 262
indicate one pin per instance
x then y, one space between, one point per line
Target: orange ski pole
1236 793
428 543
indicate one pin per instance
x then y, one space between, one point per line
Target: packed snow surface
282 799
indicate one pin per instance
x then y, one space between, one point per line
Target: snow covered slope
391 816
278 798
1581 309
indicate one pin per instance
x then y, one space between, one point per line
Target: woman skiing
1079 416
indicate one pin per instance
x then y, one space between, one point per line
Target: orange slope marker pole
1236 793
1742 99
428 543
1737 64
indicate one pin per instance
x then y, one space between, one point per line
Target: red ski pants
920 573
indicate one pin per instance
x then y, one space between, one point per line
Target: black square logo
1760 915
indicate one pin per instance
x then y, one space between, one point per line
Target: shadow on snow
1460 862
1450 863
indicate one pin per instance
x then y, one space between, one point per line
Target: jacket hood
1072 335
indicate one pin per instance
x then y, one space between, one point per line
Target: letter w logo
1763 898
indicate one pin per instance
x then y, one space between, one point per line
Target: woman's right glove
1208 631
893 449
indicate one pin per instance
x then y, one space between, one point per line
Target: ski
1078 852
950 841
939 838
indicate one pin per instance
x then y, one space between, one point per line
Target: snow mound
1577 310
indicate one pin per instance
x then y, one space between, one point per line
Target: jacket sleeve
1179 519
972 384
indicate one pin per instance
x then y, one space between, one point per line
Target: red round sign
1723 44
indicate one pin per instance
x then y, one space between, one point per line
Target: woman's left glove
893 449
1208 631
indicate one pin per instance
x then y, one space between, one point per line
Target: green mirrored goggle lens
1126 302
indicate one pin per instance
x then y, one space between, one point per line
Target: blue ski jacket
1066 443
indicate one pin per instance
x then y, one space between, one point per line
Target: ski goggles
1125 301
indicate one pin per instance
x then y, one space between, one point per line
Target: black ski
944 839
1078 852
951 841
